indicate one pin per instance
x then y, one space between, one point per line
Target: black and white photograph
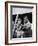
20 22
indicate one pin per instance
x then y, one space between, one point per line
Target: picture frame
27 12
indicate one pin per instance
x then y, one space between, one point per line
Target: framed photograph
20 22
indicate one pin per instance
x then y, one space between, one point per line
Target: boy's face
25 19
19 21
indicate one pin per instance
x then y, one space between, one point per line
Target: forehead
25 17
19 19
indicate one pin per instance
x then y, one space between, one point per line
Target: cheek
24 20
19 21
